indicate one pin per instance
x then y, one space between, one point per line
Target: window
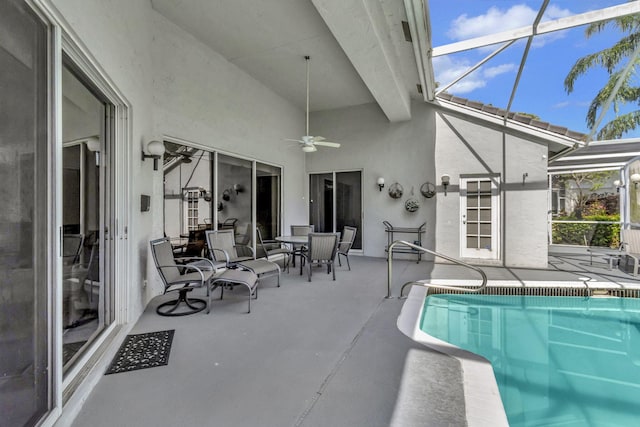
191 219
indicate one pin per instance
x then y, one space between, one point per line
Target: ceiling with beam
360 50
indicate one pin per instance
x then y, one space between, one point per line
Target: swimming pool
557 360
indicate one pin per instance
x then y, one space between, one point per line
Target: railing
439 255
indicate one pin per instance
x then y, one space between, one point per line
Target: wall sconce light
155 150
93 145
635 178
618 185
238 188
445 182
380 183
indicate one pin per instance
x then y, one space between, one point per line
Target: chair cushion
238 276
260 266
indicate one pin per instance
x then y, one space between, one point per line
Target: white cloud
496 20
562 104
492 72
447 70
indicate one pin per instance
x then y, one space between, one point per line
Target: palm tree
613 60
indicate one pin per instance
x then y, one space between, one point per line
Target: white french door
480 217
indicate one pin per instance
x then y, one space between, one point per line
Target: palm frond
617 127
625 94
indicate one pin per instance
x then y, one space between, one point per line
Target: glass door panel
349 203
342 190
25 373
321 202
87 304
188 199
234 178
268 180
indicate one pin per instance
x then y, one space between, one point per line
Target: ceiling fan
309 142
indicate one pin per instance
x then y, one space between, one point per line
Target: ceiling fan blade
318 138
328 144
294 140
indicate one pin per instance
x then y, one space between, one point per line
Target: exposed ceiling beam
361 29
543 28
420 25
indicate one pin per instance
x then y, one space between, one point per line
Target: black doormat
140 351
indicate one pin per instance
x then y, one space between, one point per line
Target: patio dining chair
322 250
348 237
222 249
299 230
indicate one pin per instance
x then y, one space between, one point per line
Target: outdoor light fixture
380 183
618 184
93 145
155 150
238 188
635 178
445 182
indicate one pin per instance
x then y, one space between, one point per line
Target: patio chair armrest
186 267
246 250
226 255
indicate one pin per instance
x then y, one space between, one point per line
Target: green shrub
589 233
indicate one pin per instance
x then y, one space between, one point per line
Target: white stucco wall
423 149
465 147
178 87
400 152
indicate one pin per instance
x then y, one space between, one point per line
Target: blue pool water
566 361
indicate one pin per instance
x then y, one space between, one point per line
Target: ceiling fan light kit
310 142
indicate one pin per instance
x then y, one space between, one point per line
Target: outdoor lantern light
445 182
635 178
380 183
618 184
155 150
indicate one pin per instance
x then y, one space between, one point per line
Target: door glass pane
485 229
268 200
321 202
349 203
478 200
234 193
87 303
24 243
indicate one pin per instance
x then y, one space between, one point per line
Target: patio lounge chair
273 249
322 250
348 237
631 246
183 278
222 249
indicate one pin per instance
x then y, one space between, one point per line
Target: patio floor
310 354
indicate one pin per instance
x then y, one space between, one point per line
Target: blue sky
541 88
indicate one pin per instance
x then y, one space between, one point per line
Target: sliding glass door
208 190
25 370
87 297
335 200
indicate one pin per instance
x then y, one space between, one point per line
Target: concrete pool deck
310 354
